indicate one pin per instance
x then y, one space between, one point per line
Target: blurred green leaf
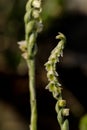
52 10
83 123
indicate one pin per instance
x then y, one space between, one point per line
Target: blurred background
66 16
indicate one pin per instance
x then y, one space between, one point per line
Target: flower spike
54 86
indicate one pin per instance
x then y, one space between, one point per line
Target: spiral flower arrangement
33 25
54 86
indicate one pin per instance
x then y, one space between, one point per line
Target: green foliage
52 10
83 123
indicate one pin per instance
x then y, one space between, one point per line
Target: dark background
58 16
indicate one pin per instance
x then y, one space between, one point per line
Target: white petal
36 3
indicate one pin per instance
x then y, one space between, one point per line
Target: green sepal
57 107
28 16
60 117
65 125
30 27
32 47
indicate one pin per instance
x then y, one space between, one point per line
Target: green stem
31 65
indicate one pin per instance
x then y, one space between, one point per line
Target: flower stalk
33 25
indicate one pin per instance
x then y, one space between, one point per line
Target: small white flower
36 13
48 65
51 76
53 58
23 42
61 54
60 36
36 3
56 74
65 112
39 26
25 55
50 73
22 45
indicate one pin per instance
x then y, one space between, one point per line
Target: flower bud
65 125
36 3
62 103
25 55
65 112
39 26
36 13
51 76
30 27
22 45
48 65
